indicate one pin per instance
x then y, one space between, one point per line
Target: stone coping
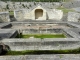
4 24
39 40
6 33
4 12
42 57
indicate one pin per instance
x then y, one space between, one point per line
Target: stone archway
38 13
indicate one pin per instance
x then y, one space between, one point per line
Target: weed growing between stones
74 51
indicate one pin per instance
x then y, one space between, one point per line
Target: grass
75 51
43 36
11 13
67 1
65 10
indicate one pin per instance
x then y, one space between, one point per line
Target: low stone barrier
43 57
42 44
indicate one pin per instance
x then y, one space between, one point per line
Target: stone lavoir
40 31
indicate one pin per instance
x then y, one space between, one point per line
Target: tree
34 3
37 0
7 6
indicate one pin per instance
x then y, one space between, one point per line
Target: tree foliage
7 6
34 0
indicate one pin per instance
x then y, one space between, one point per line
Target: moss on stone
65 10
74 51
43 36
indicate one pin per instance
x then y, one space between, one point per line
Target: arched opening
38 13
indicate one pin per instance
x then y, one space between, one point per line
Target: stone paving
43 57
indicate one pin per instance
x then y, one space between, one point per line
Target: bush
7 6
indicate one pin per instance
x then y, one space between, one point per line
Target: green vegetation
65 10
42 36
11 13
7 6
75 51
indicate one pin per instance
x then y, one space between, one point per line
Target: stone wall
5 25
42 57
48 14
73 17
19 15
42 44
4 17
54 14
26 5
26 14
8 33
33 13
72 4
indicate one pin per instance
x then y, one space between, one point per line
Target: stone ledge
43 57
